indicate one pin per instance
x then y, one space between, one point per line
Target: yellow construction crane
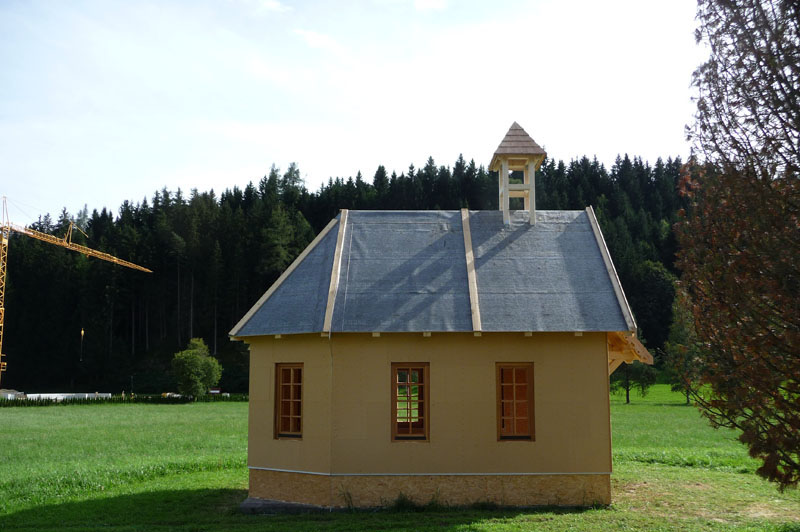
6 228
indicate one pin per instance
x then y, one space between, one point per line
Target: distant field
182 467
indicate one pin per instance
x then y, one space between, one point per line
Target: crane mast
6 228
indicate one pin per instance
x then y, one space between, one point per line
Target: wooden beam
625 347
337 264
501 191
472 279
282 278
526 184
532 193
505 204
641 351
612 272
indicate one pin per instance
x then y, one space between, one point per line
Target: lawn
183 467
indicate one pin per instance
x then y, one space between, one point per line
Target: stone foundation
339 491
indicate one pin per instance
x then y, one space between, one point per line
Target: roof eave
612 272
494 165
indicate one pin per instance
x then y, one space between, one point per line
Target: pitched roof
406 271
516 142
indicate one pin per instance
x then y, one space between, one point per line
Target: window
515 401
288 400
410 392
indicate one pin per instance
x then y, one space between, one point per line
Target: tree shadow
152 510
218 509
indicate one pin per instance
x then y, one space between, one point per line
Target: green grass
660 429
182 467
67 452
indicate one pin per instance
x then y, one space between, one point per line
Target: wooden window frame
424 436
279 401
528 368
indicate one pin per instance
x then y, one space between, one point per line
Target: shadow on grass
217 509
153 510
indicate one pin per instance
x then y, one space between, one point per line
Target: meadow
134 467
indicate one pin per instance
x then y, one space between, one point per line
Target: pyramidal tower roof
516 143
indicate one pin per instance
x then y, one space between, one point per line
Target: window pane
288 402
506 392
409 404
522 392
514 408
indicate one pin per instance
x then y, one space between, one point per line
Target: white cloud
259 69
320 41
430 5
274 6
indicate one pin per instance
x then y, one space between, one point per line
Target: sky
106 101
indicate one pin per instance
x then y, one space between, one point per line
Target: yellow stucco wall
313 451
347 401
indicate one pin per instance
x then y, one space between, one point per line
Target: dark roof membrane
405 271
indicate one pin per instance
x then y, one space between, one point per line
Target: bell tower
518 151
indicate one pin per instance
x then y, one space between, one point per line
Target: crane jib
5 230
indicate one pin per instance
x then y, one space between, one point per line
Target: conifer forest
213 255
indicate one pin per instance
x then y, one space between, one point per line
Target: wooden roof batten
517 151
285 275
474 301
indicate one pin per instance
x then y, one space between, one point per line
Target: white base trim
258 468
